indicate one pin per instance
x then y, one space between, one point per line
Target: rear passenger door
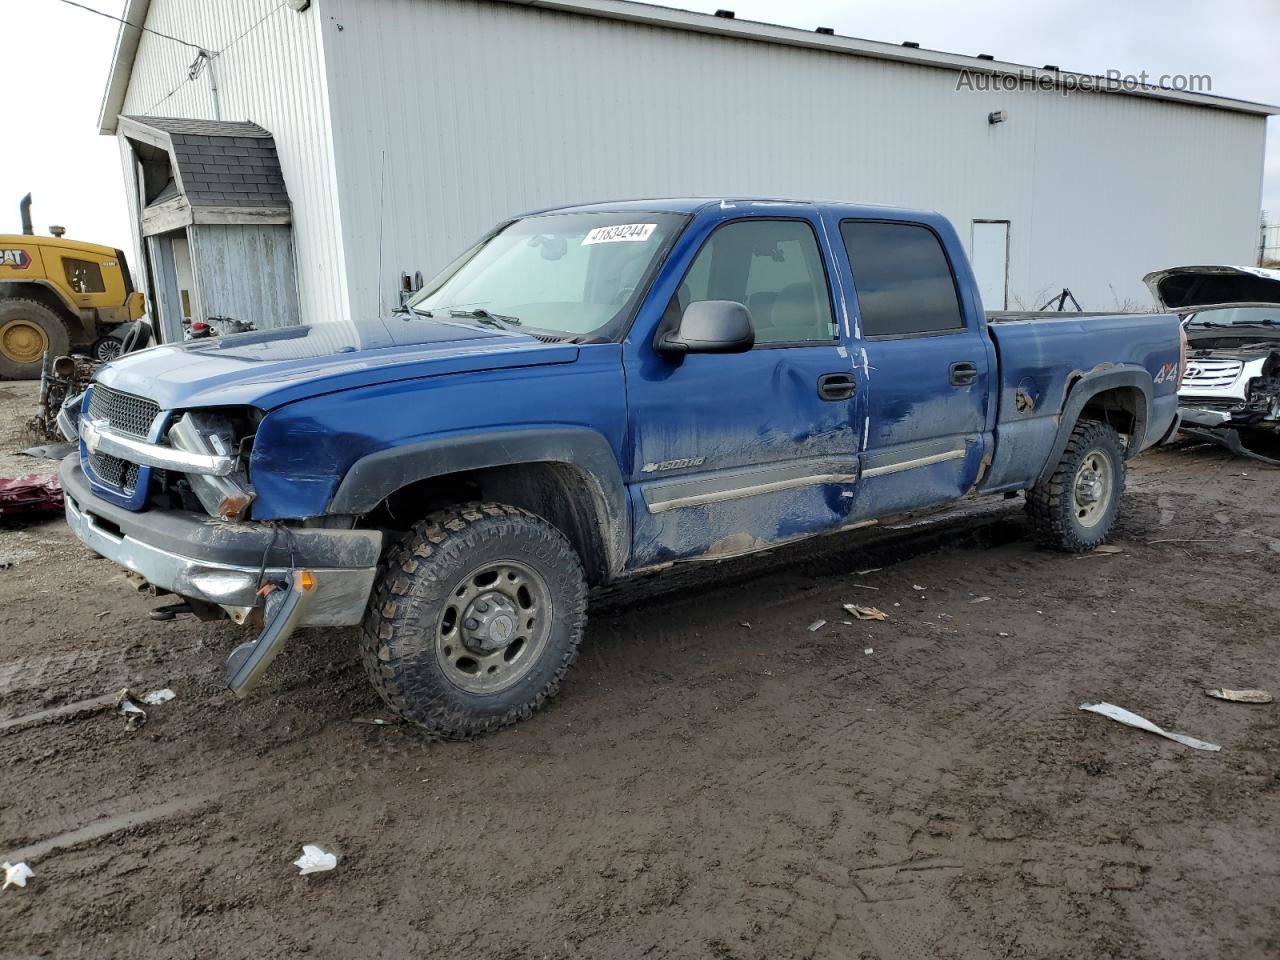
928 362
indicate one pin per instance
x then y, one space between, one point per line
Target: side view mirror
710 326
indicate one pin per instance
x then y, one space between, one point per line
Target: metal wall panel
269 70
452 114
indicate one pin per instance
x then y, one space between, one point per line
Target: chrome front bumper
216 563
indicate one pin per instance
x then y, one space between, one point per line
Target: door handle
963 373
837 386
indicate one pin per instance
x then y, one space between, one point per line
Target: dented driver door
735 452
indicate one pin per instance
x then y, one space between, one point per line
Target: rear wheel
1075 508
27 330
475 619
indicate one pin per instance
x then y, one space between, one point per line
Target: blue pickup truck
586 394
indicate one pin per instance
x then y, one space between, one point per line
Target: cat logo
17 259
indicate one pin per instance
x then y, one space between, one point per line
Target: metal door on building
990 262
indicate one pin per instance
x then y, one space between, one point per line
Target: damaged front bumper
226 563
1253 438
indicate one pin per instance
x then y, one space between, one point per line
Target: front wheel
475 619
1075 508
29 330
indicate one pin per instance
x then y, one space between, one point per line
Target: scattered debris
745 624
869 650
62 384
1003 634
1241 696
15 874
865 613
1106 548
135 714
817 625
1190 540
979 599
863 573
315 860
916 586
50 451
1122 715
375 721
159 696
865 586
21 496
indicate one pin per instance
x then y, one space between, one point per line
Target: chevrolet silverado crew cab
587 394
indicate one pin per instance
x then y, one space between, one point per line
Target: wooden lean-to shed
214 216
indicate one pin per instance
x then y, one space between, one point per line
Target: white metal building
405 128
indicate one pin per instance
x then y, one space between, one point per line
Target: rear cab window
902 280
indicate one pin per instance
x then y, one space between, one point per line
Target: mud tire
419 576
32 313
1051 504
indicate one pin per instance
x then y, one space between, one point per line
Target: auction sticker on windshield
619 232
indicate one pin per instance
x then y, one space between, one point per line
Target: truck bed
1044 354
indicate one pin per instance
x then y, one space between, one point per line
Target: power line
194 69
136 26
250 30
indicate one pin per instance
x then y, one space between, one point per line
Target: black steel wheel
475 619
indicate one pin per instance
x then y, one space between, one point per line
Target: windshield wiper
484 316
412 310
1268 322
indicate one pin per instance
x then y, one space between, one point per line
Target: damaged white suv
1231 381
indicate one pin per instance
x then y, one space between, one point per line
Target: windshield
568 274
1236 316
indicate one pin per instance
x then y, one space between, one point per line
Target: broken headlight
216 433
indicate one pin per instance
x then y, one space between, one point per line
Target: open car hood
1187 289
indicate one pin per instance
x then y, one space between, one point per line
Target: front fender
377 475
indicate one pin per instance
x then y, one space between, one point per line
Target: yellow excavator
59 295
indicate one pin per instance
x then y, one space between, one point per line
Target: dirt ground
716 779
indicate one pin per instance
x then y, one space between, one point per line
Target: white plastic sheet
1122 715
315 860
15 874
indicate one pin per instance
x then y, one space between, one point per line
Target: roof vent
825 30
1051 66
725 14
985 56
910 43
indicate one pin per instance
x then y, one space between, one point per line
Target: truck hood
1186 289
269 368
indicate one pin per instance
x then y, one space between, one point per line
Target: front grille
123 411
114 472
1211 374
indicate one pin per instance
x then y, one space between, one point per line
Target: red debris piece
24 496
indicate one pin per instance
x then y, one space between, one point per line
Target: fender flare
1084 390
374 477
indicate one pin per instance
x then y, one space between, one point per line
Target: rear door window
902 279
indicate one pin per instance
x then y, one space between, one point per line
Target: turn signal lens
306 580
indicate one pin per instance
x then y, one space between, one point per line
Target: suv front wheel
475 619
